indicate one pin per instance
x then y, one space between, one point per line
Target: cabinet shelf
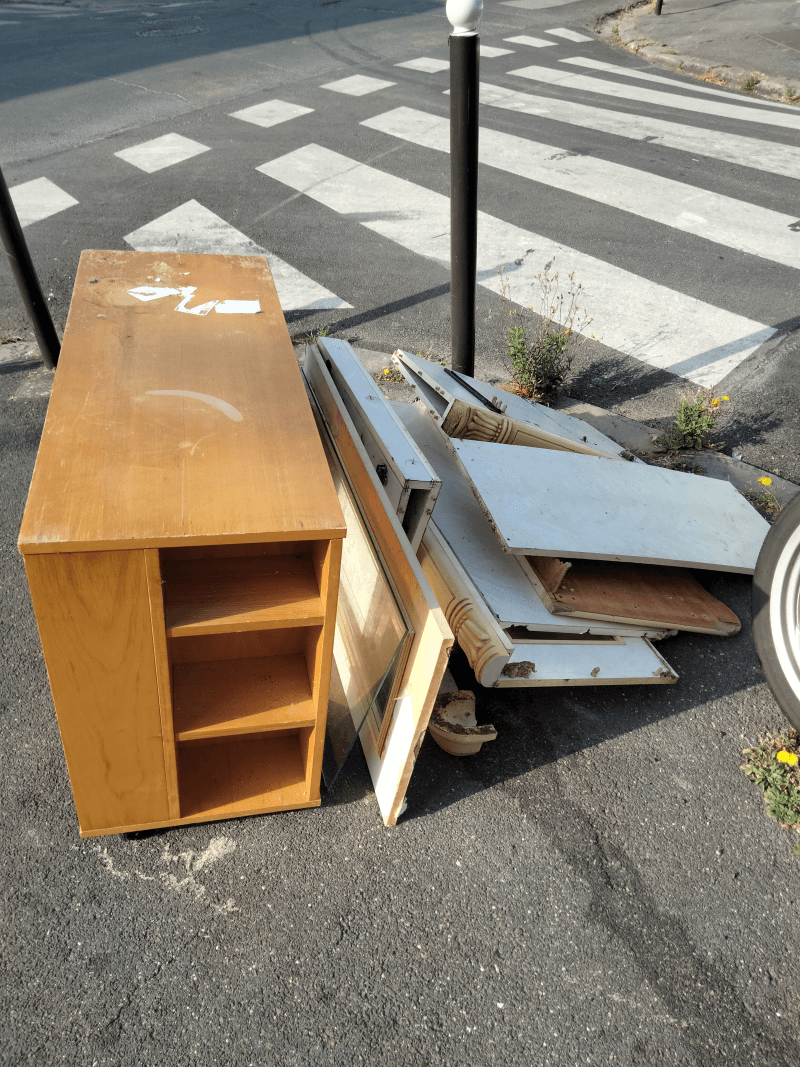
229 595
241 696
242 778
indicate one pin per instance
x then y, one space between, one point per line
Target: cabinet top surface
173 427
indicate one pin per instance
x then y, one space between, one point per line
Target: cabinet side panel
93 614
319 653
163 676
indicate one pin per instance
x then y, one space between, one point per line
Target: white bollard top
464 16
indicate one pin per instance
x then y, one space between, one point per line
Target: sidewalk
752 47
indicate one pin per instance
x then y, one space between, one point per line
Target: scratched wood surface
169 428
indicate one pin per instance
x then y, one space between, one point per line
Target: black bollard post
658 6
464 61
22 268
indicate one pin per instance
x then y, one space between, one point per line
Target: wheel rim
784 611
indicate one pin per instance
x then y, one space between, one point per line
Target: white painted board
632 661
516 407
498 576
545 503
410 482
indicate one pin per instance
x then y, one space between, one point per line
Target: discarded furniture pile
556 557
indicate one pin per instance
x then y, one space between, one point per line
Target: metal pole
658 6
22 268
464 43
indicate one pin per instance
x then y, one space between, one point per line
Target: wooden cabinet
182 541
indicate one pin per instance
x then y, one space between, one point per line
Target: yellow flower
787 757
725 398
765 481
715 403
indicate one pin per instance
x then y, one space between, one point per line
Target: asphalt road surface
601 884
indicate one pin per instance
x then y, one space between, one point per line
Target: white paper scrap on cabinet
544 503
391 764
625 661
499 577
410 483
553 423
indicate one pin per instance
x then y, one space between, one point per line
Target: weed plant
541 357
693 424
774 765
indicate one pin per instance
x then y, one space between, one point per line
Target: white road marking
569 35
161 152
271 112
770 156
645 75
633 315
193 228
357 85
488 51
429 66
535 5
642 95
533 42
722 219
39 199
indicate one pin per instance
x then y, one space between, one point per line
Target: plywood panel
93 613
629 661
497 575
163 676
212 407
630 592
390 768
559 504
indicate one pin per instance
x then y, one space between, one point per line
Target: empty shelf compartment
218 781
241 696
226 595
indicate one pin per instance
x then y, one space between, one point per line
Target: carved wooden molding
468 422
483 641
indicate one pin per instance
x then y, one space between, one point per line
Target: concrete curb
621 29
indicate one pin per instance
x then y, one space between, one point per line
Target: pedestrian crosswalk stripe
686 86
640 94
193 228
569 35
722 219
633 315
271 112
428 66
736 148
535 5
161 152
490 52
357 85
39 199
534 42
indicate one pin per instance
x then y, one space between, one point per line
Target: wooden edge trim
152 566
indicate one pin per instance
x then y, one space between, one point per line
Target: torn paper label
238 307
152 292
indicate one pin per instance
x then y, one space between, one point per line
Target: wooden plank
391 767
545 503
410 482
635 593
484 643
498 576
197 399
163 676
230 595
554 423
93 613
241 696
629 661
